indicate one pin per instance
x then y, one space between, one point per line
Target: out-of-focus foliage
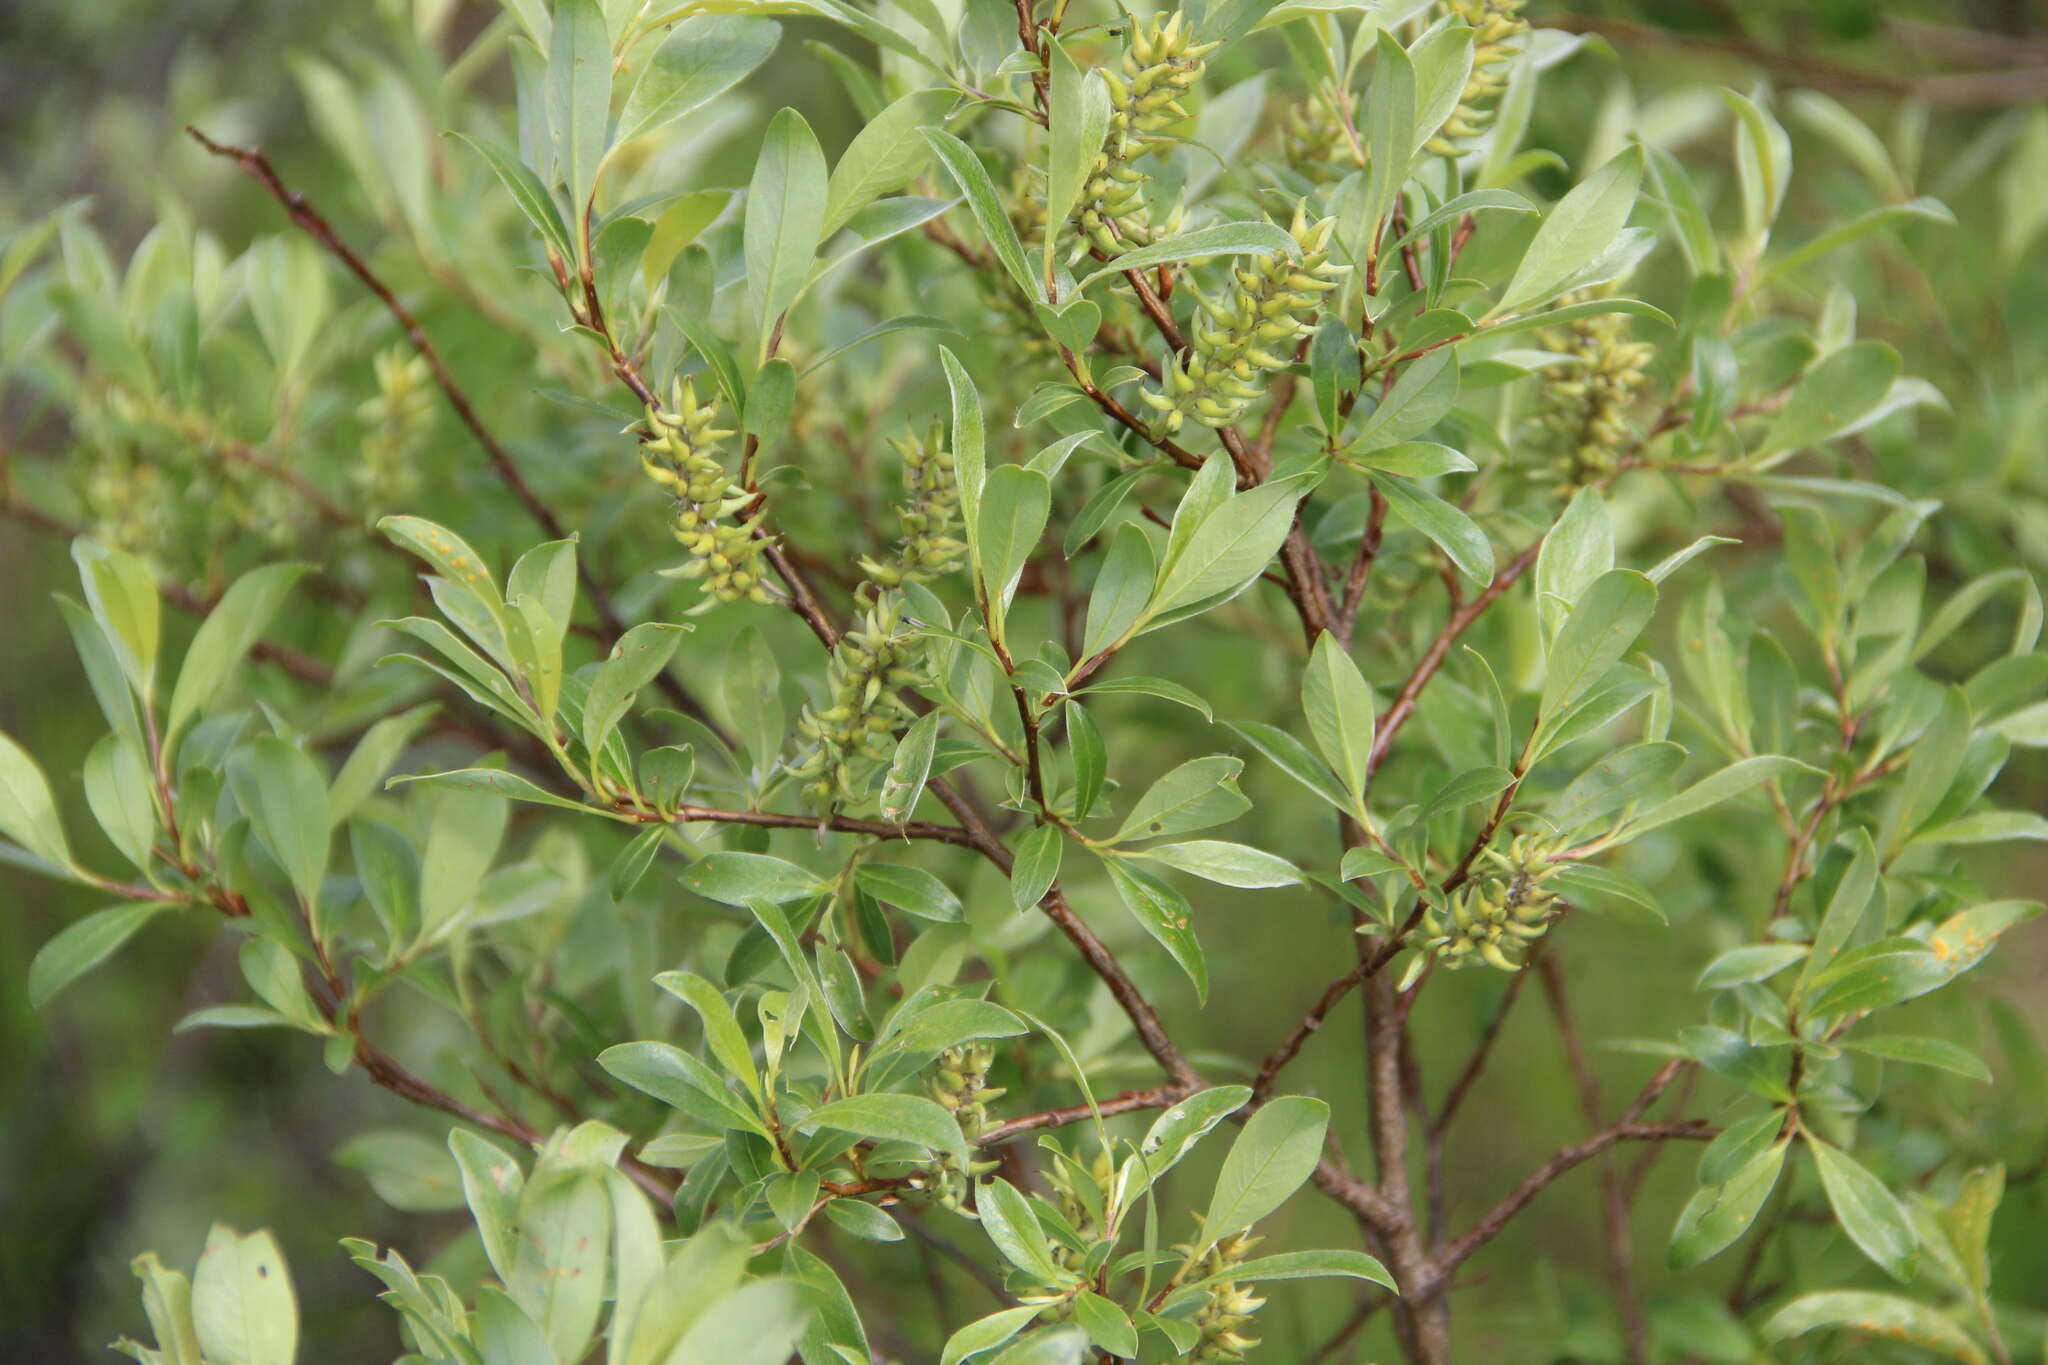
813 677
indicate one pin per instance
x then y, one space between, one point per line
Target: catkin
681 454
1584 411
1498 32
1162 63
1495 919
1250 334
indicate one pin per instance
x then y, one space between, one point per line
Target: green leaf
1862 225
760 1323
1106 1324
1175 1132
1122 589
721 1027
888 153
1729 782
1080 110
1007 1218
1198 793
82 945
892 1118
1165 914
284 794
1600 629
635 661
1229 550
223 639
1037 865
1015 503
985 1334
785 217
243 1308
409 1172
1719 1213
1090 758
1751 962
119 790
970 459
1421 396
1277 1151
1835 393
1308 1265
1578 550
682 1082
909 888
1143 686
28 811
1292 757
1224 239
910 768
703 56
1227 864
1871 1214
1455 533
579 96
529 193
736 878
1887 1316
1340 713
987 207
492 782
1921 1051
123 598
1575 232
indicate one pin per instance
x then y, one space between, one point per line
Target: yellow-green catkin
1584 410
681 454
395 422
1162 63
1498 33
1226 1313
959 1084
857 725
1313 141
929 515
1081 1194
1242 340
1495 918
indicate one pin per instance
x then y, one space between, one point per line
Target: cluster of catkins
1162 63
870 665
928 514
1498 31
395 424
680 452
1227 1310
878 658
959 1085
1247 336
1494 919
1584 411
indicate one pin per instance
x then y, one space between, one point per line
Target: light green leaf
985 1334
1227 864
887 153
721 1027
1871 1214
785 218
1015 503
1719 1213
1080 112
1574 232
223 639
736 878
1274 1154
28 811
1729 782
892 1118
82 945
1835 394
243 1308
987 207
1224 239
1921 1051
1455 533
284 794
1007 1218
1600 629
123 598
703 56
1163 913
1198 793
579 96
1340 712
909 888
1865 1314
1037 865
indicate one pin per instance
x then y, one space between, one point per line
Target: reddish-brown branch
309 221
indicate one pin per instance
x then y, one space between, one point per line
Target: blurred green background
116 1135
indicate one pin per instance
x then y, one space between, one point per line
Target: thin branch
309 220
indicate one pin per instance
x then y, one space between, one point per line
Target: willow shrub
788 791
